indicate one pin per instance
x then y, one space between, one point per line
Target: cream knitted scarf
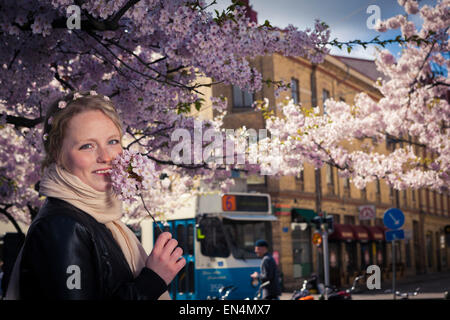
102 206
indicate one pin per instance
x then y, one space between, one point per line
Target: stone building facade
355 242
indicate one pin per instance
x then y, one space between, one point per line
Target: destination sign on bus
245 203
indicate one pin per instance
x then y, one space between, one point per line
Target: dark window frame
237 92
295 92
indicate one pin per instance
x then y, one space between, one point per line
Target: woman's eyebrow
95 139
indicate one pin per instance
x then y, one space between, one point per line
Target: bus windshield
242 236
213 242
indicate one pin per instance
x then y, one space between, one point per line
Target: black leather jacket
69 255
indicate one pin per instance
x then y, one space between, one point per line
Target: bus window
181 237
243 235
190 239
213 244
191 282
182 280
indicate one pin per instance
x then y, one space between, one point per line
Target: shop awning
375 233
307 214
382 230
360 233
342 232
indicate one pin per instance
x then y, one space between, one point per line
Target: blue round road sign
393 218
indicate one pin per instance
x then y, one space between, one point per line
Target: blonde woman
77 247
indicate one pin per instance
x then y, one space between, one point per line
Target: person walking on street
269 272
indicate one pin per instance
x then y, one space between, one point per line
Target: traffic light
330 224
317 221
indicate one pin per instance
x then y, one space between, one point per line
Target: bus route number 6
229 203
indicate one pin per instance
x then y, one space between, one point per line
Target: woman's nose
103 155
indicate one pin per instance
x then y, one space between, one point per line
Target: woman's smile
103 172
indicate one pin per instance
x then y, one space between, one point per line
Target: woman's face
91 142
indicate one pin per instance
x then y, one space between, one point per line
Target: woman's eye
86 146
114 141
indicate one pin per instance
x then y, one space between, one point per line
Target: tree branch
11 218
23 122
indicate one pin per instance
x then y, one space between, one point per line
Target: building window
330 179
347 183
429 250
299 179
364 193
329 174
347 187
242 99
336 217
256 179
325 96
349 219
408 253
378 190
435 202
295 90
405 198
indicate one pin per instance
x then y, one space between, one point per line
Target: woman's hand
166 258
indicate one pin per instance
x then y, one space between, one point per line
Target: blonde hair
60 113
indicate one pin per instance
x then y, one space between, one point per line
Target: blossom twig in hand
131 175
145 207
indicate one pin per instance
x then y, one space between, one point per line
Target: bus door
183 286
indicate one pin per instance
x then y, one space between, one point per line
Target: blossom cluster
136 176
414 109
132 174
150 61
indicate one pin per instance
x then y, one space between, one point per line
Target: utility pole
323 226
318 210
326 262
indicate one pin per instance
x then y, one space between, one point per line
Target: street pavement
432 286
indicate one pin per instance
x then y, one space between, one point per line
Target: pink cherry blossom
146 60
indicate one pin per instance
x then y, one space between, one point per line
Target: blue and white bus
217 234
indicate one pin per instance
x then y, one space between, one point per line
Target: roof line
362 59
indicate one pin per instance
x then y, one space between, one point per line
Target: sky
348 19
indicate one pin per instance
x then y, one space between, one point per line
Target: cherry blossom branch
399 39
23 122
145 207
